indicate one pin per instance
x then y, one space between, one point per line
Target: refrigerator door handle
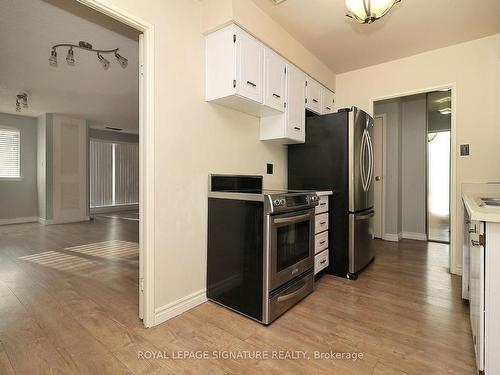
362 169
371 160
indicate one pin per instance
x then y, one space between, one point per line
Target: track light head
53 58
18 106
122 60
70 59
103 61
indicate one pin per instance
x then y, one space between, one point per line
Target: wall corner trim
168 311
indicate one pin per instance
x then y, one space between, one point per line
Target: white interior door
69 177
141 177
378 145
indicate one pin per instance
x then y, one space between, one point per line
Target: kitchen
404 312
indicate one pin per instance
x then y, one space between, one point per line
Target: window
114 173
10 153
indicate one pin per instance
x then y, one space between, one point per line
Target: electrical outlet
269 168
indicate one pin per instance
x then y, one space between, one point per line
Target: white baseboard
394 237
458 270
415 236
19 220
164 313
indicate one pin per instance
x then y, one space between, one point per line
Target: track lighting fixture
70 58
122 60
21 99
53 57
104 62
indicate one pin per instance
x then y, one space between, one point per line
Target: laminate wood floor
68 305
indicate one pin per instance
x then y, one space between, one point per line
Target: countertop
471 195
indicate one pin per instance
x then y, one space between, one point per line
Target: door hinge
141 70
284 104
141 285
306 100
481 240
285 69
234 38
306 83
234 83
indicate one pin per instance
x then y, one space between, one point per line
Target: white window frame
20 177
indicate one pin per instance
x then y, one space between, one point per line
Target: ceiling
412 26
104 97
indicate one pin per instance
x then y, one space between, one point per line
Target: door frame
146 154
454 251
384 160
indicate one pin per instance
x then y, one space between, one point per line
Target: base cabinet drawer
321 223
322 205
321 261
320 242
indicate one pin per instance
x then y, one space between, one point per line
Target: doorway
412 141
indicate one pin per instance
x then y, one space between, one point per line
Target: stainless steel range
260 254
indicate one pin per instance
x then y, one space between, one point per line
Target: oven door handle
291 219
286 297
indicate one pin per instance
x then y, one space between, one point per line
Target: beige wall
474 68
217 13
192 139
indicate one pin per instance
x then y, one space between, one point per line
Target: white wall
192 139
474 67
41 168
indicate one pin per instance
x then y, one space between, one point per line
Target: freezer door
361 160
361 247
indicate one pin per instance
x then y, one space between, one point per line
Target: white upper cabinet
288 127
249 67
235 70
313 95
327 100
295 111
274 82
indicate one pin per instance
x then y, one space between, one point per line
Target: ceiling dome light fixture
70 58
368 11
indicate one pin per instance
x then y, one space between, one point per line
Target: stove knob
277 202
282 201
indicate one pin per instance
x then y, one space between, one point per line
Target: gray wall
414 174
18 199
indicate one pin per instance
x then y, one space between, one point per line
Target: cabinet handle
296 128
322 242
323 261
251 84
475 243
322 204
322 222
328 108
315 101
276 96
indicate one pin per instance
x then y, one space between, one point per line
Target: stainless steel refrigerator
338 155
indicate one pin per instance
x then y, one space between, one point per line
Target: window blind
10 153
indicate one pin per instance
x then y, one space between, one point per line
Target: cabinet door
313 95
295 105
249 67
477 268
326 101
275 79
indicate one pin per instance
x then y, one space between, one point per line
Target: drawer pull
251 84
323 204
322 222
322 242
276 96
296 128
323 261
315 101
286 297
328 108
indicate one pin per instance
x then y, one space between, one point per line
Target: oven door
291 237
